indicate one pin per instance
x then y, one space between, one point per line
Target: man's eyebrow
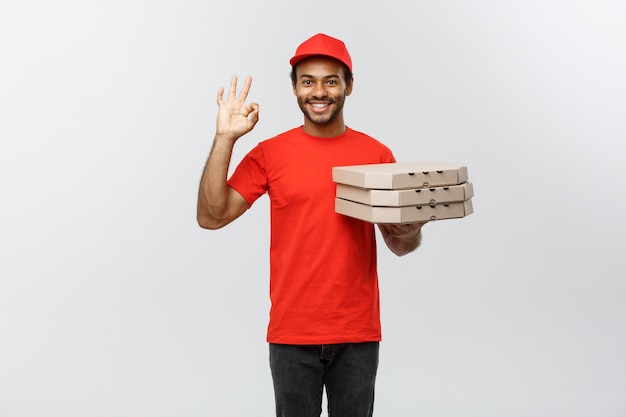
323 77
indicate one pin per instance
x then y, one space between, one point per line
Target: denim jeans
347 371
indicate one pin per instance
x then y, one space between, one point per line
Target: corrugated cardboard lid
400 215
407 197
401 175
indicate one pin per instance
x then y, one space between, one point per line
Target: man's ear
349 87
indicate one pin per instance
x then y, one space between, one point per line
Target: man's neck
324 131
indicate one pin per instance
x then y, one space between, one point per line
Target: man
324 329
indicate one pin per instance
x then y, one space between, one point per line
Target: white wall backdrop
113 302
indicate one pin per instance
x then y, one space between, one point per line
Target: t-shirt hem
321 341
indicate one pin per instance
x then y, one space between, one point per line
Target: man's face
321 89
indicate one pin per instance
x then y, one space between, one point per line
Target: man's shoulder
280 138
364 137
360 134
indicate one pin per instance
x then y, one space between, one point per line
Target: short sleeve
249 177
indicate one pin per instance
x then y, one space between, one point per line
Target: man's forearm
213 192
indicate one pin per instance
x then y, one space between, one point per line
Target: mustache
322 99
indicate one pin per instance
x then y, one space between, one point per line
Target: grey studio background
113 302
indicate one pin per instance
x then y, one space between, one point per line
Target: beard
326 118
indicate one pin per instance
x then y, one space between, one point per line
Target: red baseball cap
325 45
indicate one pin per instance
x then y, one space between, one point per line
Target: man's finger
233 88
245 89
220 96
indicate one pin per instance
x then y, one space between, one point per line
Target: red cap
325 45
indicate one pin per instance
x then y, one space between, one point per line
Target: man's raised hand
235 118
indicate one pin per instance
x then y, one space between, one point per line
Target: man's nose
319 91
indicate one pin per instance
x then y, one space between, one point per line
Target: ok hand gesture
235 118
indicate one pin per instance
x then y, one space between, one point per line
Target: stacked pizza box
403 192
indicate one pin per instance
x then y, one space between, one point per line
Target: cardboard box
401 175
407 214
410 197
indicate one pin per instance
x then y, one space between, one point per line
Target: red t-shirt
323 275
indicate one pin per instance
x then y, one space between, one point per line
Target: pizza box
400 175
406 214
410 197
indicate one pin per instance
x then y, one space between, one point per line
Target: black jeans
347 370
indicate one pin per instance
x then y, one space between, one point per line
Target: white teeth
318 105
